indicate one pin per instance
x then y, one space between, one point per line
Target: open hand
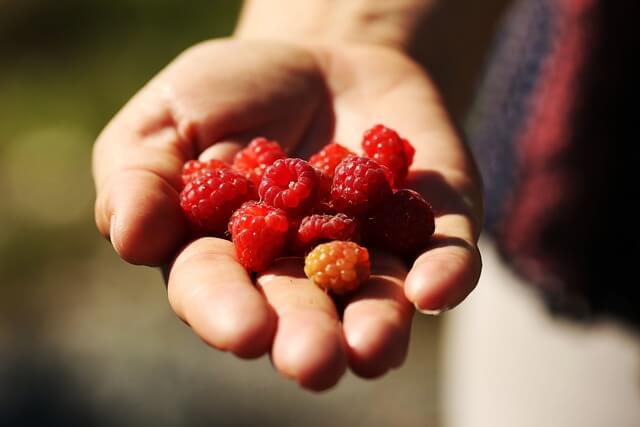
210 102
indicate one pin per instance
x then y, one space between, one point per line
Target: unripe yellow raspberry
338 266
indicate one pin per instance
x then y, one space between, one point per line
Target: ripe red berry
314 229
256 157
329 157
359 185
291 185
209 199
338 266
385 146
403 226
259 234
409 150
194 168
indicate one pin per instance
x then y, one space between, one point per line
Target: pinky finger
448 271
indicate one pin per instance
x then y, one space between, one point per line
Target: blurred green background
86 339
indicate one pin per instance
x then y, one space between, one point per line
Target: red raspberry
359 185
256 157
403 226
194 168
291 185
316 229
329 157
338 266
409 150
209 199
385 146
259 234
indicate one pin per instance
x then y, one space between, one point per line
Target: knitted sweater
552 131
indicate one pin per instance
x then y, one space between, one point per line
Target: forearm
387 22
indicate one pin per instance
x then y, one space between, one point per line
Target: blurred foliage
77 61
67 67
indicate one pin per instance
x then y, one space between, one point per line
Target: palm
209 103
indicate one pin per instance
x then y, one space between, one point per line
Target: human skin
209 103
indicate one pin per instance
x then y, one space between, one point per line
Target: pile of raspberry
327 209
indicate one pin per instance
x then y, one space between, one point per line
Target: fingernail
432 312
267 278
112 233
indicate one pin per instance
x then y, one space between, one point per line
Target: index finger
136 164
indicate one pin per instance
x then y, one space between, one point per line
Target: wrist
378 22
